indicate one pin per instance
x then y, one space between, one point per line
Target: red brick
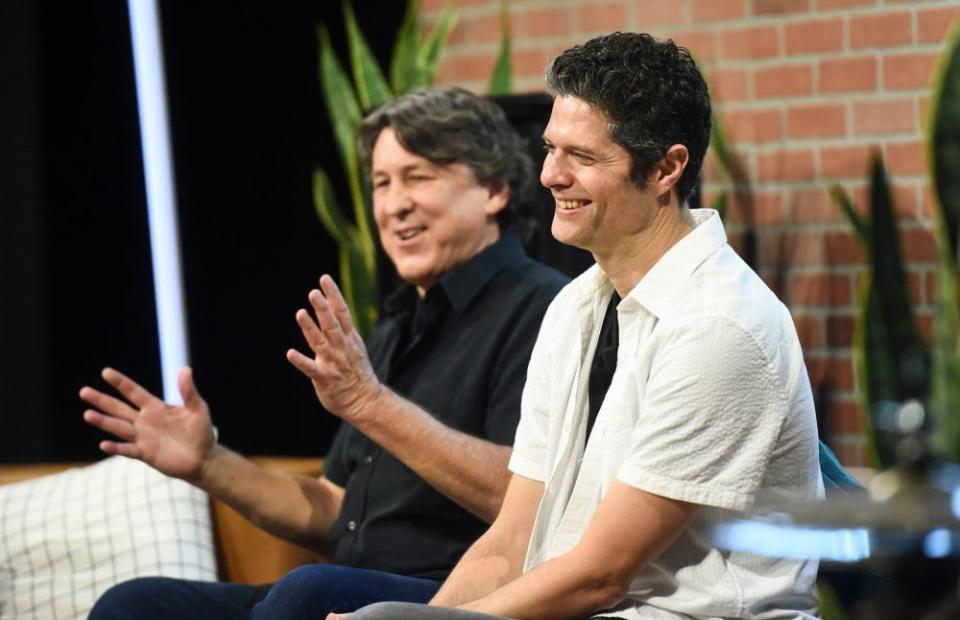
930 287
718 10
928 204
783 81
846 418
925 325
842 373
466 67
811 37
906 158
841 248
840 331
813 205
777 250
703 43
872 117
918 245
545 22
780 7
528 62
755 42
933 24
881 30
795 165
816 121
651 13
753 125
603 16
851 452
826 5
768 208
729 84
477 29
908 70
810 331
915 284
820 289
848 75
843 162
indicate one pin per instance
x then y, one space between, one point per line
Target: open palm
173 439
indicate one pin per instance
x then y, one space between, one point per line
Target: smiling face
430 217
598 207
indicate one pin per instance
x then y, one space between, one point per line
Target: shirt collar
660 288
462 283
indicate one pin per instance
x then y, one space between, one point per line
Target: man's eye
419 178
380 184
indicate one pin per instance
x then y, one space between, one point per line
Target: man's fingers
302 363
188 389
325 317
108 404
122 429
128 387
311 332
337 302
122 449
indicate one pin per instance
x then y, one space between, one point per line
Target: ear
498 200
668 170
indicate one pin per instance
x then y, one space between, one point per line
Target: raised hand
173 439
340 370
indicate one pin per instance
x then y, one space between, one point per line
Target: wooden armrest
248 554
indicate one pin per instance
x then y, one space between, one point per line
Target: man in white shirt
644 420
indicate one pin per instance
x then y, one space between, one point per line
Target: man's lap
310 591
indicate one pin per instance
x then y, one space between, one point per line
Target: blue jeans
310 591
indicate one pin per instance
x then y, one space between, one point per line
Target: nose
397 202
555 172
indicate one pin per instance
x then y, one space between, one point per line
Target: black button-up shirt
461 353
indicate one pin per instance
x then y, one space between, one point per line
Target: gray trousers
414 611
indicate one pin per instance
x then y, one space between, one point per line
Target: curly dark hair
650 90
452 125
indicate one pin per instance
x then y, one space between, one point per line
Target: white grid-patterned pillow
66 538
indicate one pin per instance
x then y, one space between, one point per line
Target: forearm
484 568
469 470
294 507
570 586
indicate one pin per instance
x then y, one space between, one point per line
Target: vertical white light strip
161 197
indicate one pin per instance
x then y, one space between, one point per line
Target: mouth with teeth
410 233
569 205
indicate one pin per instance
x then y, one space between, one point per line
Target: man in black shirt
419 468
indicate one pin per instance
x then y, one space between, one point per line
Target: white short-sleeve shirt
710 404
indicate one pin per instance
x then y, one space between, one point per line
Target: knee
129 599
385 611
293 596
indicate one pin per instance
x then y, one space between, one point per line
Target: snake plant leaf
358 287
328 210
404 73
372 89
945 361
501 81
340 101
860 226
428 58
890 358
943 143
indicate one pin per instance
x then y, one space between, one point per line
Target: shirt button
368 459
351 525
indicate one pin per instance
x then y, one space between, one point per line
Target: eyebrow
576 149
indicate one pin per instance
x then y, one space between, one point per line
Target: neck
626 264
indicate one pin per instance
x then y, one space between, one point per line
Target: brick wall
807 89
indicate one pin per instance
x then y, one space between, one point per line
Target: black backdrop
248 125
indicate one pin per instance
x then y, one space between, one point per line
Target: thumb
188 390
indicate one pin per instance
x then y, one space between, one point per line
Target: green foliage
889 356
890 359
414 64
943 143
501 82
